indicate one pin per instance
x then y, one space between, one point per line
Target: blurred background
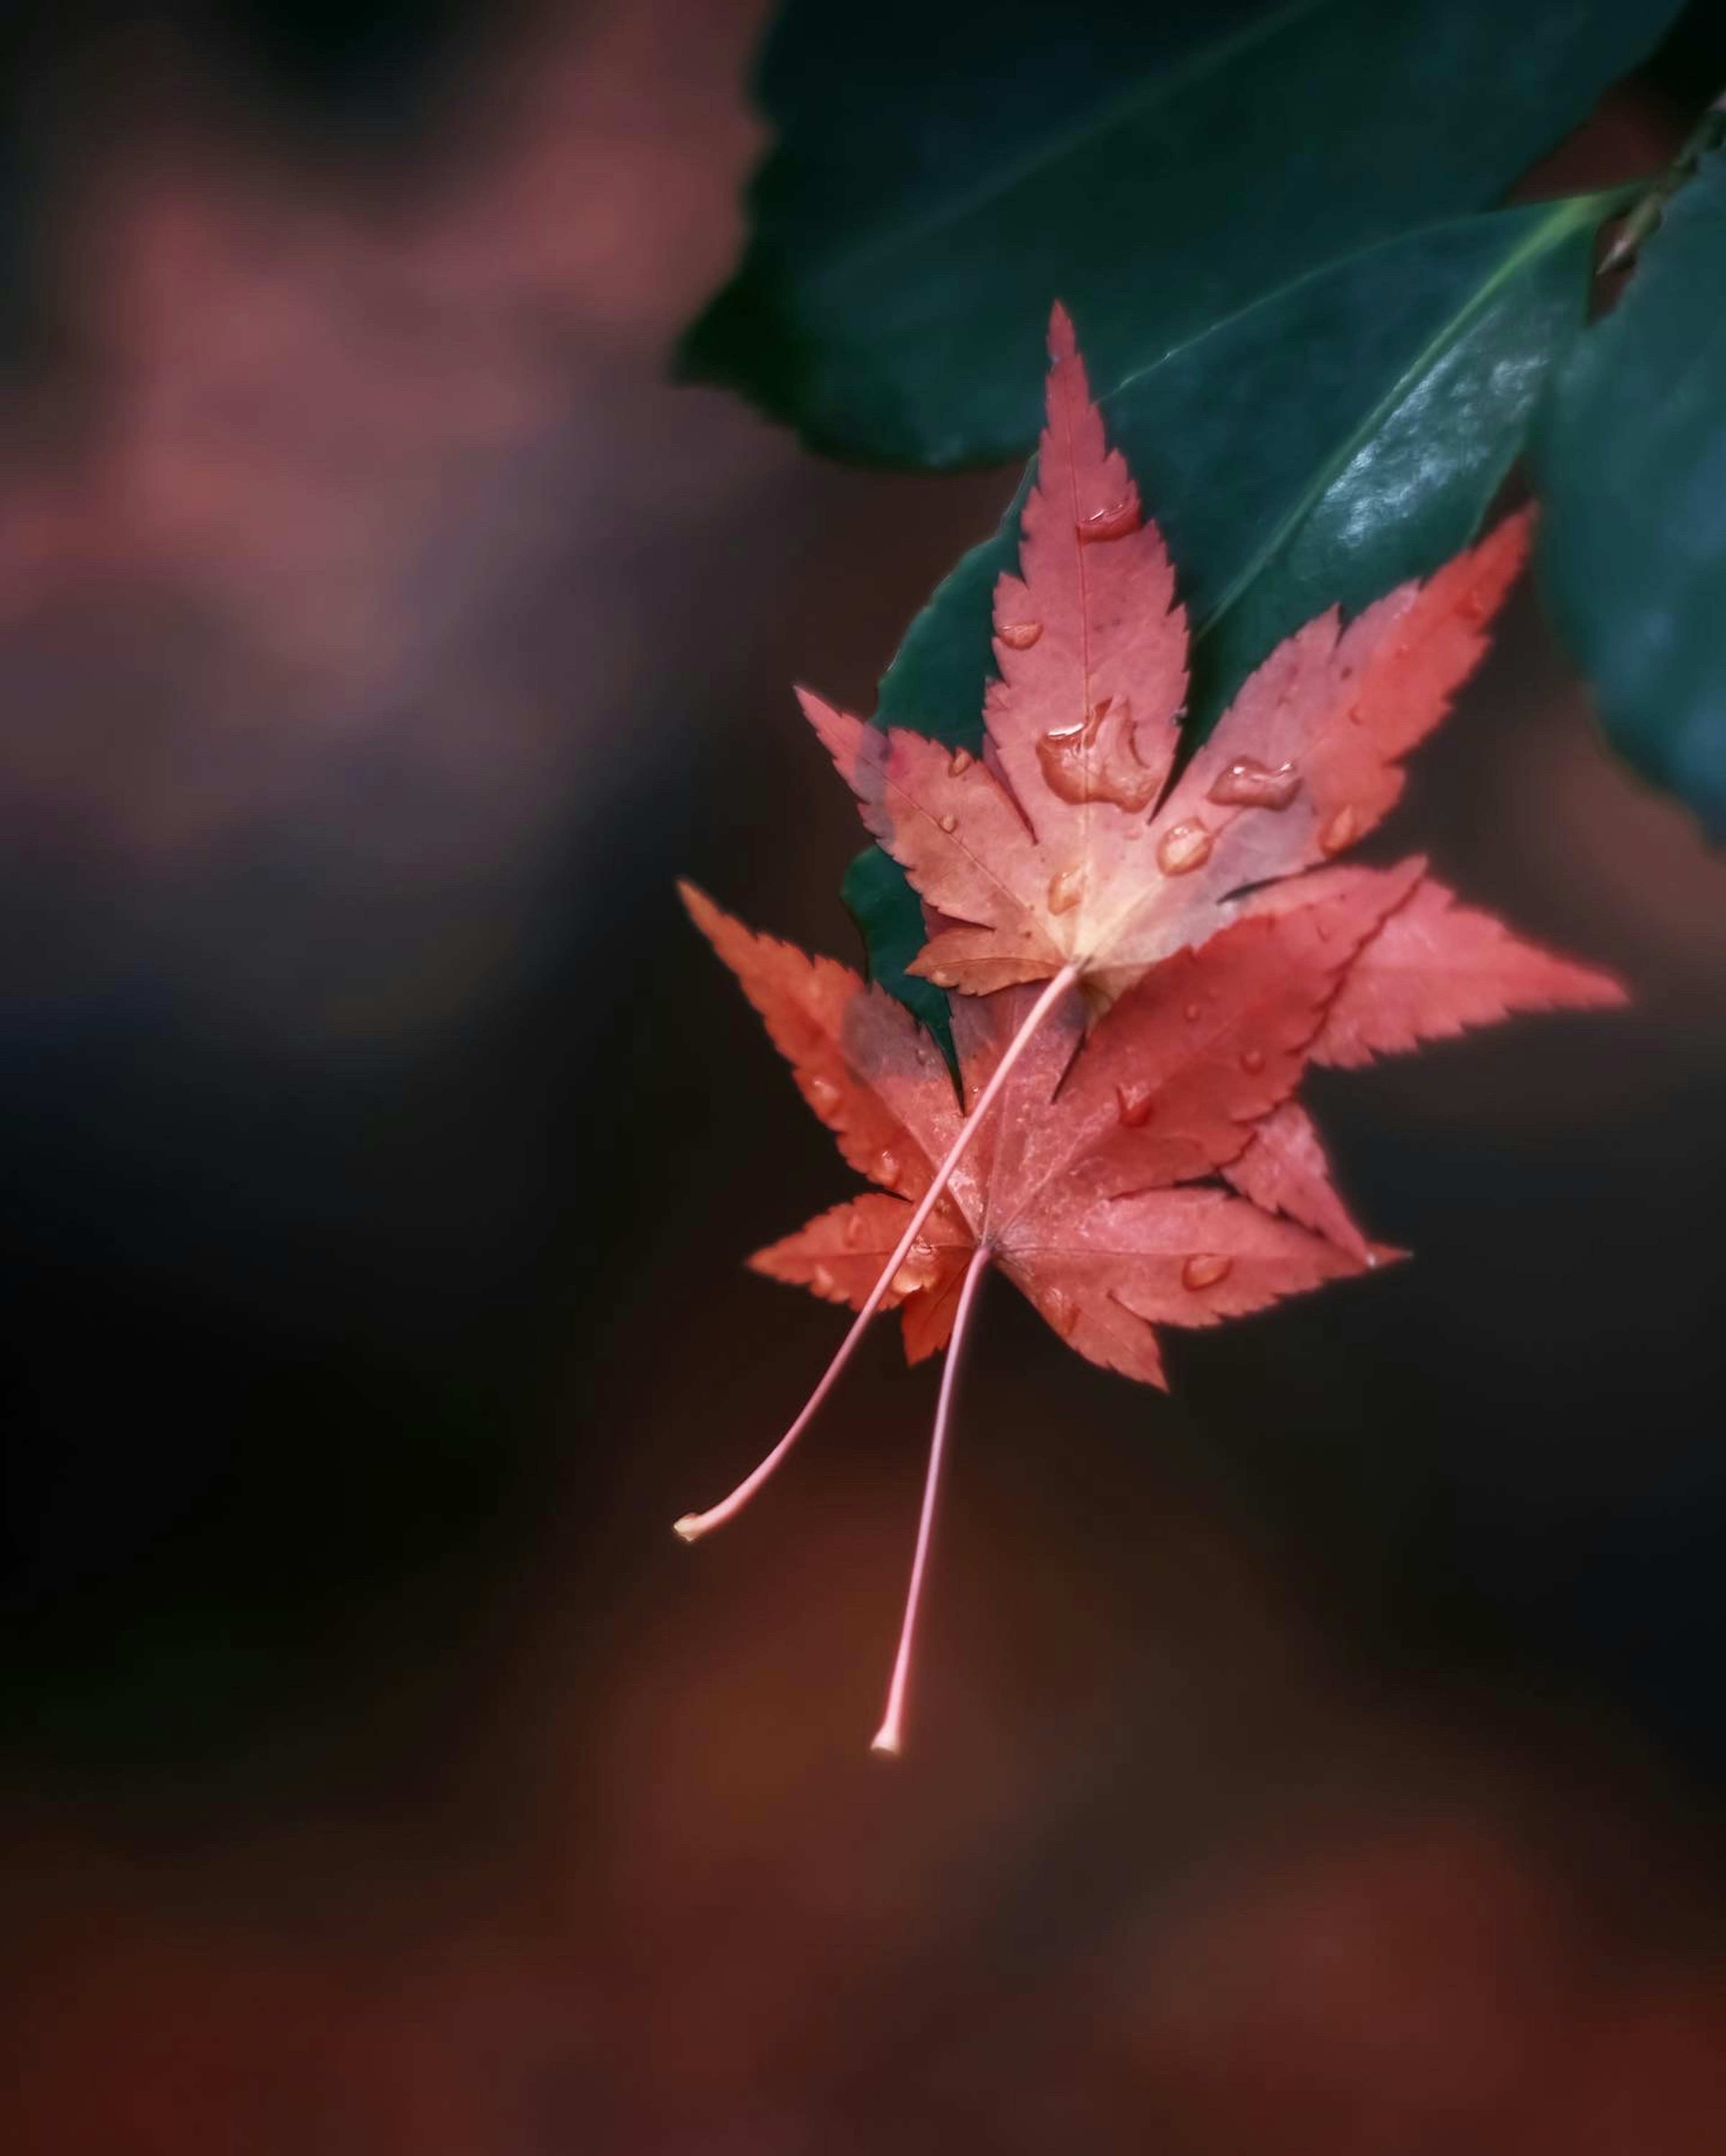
1326 1757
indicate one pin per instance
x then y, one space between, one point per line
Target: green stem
1709 133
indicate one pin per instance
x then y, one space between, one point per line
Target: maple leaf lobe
1094 1215
1069 843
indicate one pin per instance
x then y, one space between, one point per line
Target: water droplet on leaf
1098 761
1019 635
948 823
1247 784
822 1281
959 763
1339 831
1183 848
1067 887
1113 523
1204 1270
1252 1061
887 1170
1136 1110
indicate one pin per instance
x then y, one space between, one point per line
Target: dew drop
1183 848
919 1269
1136 1110
887 1170
853 1230
1252 1061
1067 887
1113 523
824 1096
1247 784
1019 635
948 823
822 1280
1339 831
1473 606
1193 1012
1098 760
942 979
1205 1270
959 763
1062 1311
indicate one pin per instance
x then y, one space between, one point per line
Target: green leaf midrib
1570 213
1097 126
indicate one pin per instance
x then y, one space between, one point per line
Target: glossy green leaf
891 921
1321 447
1630 459
943 172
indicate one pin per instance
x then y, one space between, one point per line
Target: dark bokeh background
1328 1758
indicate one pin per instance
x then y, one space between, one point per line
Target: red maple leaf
1092 1188
1065 850
1433 970
1193 950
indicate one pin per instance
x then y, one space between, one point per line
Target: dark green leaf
1632 461
1338 438
891 921
943 172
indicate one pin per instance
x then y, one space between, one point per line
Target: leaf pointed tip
1518 525
1592 988
1063 343
833 725
1495 562
700 908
